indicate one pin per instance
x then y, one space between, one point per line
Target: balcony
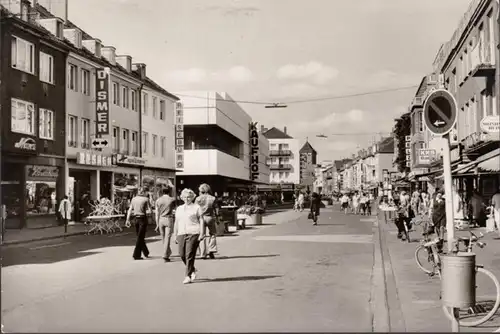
281 167
482 64
282 153
214 162
417 102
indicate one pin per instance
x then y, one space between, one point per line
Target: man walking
138 209
209 211
65 212
165 220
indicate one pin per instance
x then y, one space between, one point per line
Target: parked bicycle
429 250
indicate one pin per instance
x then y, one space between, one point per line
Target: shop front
154 180
32 188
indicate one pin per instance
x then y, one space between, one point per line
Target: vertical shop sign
408 150
254 151
179 135
102 101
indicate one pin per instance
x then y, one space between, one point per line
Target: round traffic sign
440 112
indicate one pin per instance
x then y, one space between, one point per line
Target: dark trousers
188 245
141 225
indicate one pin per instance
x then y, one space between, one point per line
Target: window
154 101
72 131
22 117
484 103
133 149
23 55
155 144
421 121
41 199
116 93
85 133
46 68
474 116
162 147
145 143
73 77
116 139
490 47
85 82
125 146
145 104
162 110
133 101
46 124
125 97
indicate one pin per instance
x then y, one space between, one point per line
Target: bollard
458 283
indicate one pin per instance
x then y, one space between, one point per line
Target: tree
402 128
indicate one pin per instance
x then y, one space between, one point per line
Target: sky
285 51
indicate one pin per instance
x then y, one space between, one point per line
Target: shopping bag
310 215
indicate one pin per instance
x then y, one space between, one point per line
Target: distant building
308 160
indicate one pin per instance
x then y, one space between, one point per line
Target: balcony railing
482 64
281 167
280 153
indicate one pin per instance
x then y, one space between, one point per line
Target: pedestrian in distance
344 203
301 202
139 207
439 217
209 211
65 212
165 206
189 231
355 203
315 205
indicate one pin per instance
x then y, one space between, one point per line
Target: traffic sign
440 112
99 143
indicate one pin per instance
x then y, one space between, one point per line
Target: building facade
308 161
222 145
284 157
32 91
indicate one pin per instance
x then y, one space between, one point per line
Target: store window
11 189
41 196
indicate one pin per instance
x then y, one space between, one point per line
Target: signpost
99 143
440 116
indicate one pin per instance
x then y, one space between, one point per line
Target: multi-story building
308 160
138 147
220 147
32 96
469 63
284 157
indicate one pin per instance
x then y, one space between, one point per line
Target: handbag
310 215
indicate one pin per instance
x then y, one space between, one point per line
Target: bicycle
434 259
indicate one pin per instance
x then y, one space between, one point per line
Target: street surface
284 276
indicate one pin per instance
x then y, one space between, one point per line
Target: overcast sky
284 50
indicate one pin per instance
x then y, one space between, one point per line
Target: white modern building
284 157
217 140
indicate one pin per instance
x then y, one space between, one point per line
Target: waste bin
458 280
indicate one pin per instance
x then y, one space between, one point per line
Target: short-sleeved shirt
207 204
165 206
139 205
187 219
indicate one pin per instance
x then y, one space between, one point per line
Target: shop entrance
80 193
106 185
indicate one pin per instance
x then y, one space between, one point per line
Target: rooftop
274 133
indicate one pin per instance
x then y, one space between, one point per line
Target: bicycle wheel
425 261
487 314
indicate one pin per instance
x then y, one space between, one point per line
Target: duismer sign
254 151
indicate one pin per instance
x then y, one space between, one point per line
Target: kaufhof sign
102 101
179 135
254 151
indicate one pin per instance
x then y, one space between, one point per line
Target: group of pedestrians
357 203
187 223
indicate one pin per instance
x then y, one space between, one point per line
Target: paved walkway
417 295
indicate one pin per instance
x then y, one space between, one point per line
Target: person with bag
209 212
315 205
189 231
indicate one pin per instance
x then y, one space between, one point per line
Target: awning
488 162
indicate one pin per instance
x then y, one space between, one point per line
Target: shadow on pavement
63 249
246 257
236 279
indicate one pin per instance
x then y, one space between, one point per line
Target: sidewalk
417 295
14 236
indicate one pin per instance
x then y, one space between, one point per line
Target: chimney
125 61
141 68
109 52
74 35
284 130
94 46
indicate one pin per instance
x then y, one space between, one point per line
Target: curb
58 236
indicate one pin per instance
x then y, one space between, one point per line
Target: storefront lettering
86 158
425 156
102 101
254 151
122 159
179 136
42 172
27 144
